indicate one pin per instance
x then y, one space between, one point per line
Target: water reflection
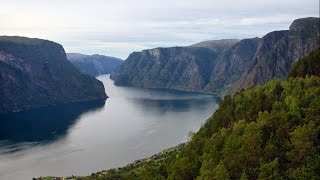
172 105
43 125
87 137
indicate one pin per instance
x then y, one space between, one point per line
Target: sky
120 27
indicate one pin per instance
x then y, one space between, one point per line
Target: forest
266 132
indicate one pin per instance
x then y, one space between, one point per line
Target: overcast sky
119 27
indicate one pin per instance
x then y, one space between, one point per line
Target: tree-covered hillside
307 66
266 132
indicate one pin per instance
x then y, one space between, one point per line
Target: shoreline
158 156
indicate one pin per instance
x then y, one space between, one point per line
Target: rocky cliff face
231 65
201 67
35 73
221 67
94 65
174 68
278 50
308 65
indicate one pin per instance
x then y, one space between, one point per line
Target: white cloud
118 27
275 19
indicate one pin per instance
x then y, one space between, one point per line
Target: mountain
36 72
94 65
279 49
265 132
222 66
182 68
216 44
309 65
230 66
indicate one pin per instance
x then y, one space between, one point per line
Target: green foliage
266 132
270 170
220 172
309 65
244 176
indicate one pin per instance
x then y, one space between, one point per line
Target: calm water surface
82 138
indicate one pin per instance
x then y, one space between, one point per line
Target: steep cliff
184 68
231 65
94 65
308 65
223 66
278 50
35 73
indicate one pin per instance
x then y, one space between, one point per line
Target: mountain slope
223 66
278 50
266 132
235 61
182 68
94 65
216 45
309 65
35 73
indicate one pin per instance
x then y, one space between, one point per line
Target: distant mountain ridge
36 73
279 49
182 68
216 44
221 66
231 65
94 65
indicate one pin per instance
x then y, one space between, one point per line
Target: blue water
86 137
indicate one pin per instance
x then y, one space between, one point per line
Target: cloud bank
119 27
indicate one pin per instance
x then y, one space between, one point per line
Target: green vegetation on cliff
266 132
309 65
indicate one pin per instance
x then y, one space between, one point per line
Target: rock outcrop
183 68
36 73
223 66
278 50
229 67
